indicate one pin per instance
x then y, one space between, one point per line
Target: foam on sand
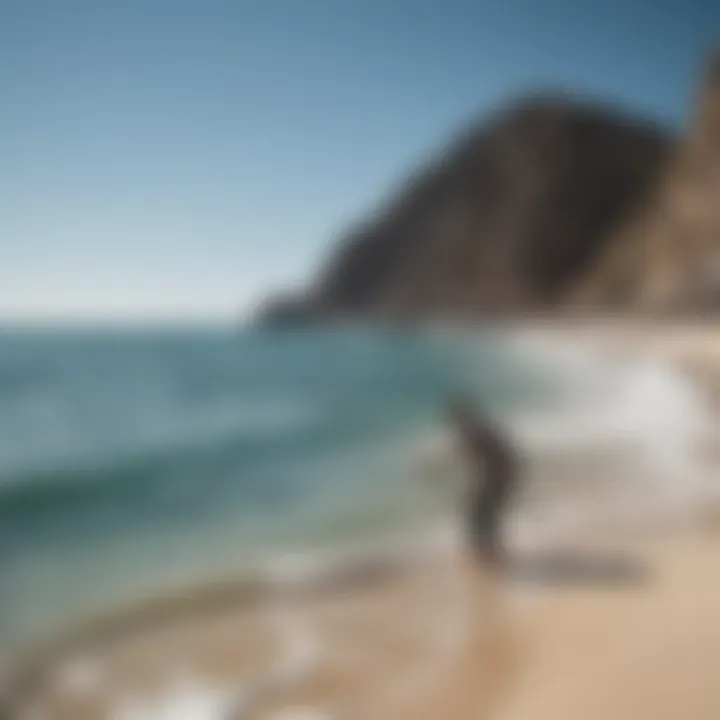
184 699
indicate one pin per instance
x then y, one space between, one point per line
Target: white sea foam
183 699
647 417
623 436
81 676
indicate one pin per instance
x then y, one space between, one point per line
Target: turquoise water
132 462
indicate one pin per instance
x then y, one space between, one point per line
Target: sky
181 159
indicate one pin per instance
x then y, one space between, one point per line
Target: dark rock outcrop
508 218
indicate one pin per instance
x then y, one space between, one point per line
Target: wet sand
439 640
365 646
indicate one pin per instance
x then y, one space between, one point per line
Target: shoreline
441 627
514 667
306 575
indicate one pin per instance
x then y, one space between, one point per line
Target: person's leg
485 530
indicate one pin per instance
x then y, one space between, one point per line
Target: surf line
302 654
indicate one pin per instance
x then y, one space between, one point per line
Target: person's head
462 414
468 415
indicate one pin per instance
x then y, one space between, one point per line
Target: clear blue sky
180 158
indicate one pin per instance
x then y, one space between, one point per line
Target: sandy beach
441 641
433 639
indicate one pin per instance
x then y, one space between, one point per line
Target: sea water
133 462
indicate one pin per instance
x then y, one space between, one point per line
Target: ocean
136 462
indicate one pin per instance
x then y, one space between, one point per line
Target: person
493 469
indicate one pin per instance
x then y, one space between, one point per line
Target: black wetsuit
494 468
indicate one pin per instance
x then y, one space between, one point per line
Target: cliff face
516 215
668 257
508 218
